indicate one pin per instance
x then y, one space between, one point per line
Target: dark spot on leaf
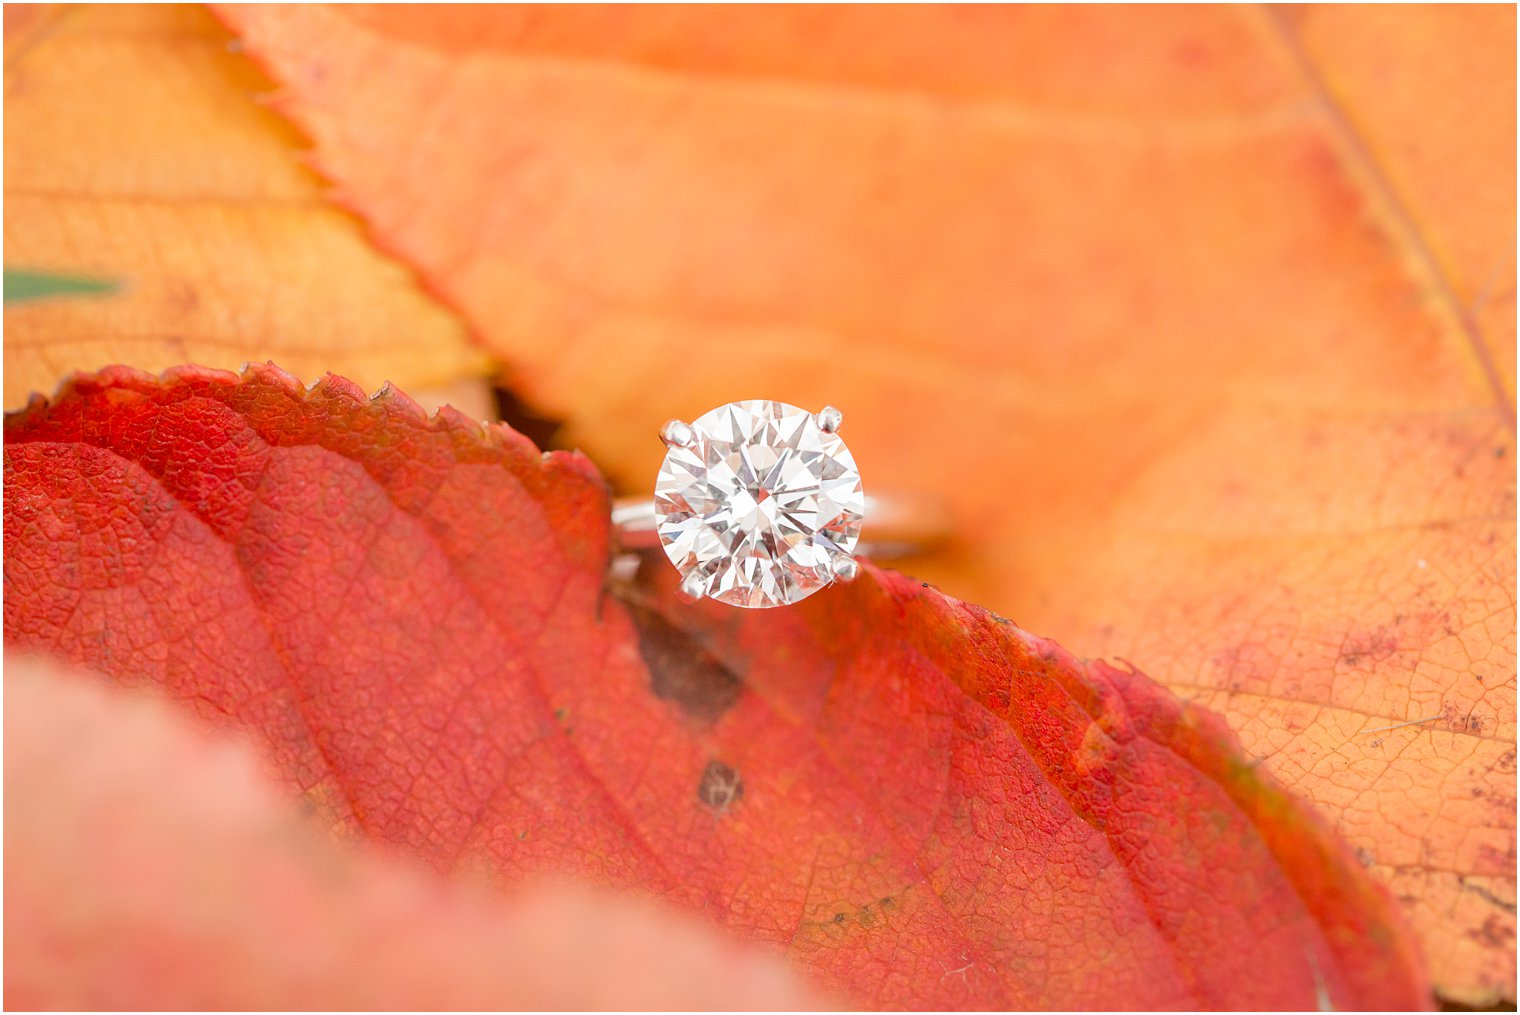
1364 856
1499 452
1376 646
681 670
720 788
1495 933
839 918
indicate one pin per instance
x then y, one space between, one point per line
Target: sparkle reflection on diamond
759 504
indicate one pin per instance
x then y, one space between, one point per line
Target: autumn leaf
135 153
921 804
138 835
1201 319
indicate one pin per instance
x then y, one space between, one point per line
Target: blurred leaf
160 869
135 146
922 805
1201 319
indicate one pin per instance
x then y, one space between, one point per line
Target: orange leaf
922 805
135 152
1191 312
1426 98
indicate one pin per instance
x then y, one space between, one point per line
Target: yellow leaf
135 152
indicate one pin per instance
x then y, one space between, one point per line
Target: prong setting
676 434
694 585
843 567
829 419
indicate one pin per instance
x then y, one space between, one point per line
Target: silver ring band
895 526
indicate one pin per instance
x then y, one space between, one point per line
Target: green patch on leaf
26 286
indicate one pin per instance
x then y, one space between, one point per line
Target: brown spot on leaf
1376 646
1495 932
721 787
682 670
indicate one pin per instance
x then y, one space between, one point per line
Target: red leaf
922 804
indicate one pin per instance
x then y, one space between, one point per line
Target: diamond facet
762 504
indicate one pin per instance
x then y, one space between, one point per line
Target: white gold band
895 526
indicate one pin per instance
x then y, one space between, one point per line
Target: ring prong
694 585
843 567
829 419
678 434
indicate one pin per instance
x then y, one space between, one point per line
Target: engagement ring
759 504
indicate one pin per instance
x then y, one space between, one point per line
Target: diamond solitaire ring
757 504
